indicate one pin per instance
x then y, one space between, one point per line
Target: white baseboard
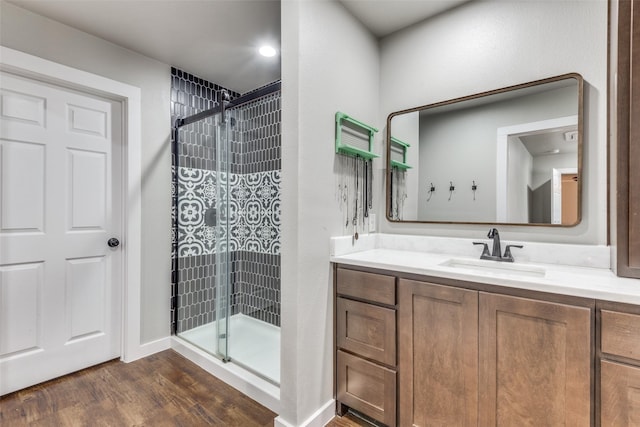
147 349
318 419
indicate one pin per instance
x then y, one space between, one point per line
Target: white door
60 202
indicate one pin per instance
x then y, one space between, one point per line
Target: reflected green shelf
399 165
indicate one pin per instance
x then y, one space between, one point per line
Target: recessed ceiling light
267 51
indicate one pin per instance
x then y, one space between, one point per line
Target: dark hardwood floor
164 389
348 420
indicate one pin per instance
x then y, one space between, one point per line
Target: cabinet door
620 395
535 363
438 355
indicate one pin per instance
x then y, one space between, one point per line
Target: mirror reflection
510 156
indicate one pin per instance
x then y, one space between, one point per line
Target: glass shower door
222 262
227 227
202 211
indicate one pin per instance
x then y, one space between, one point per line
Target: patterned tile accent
254 213
196 198
191 95
252 161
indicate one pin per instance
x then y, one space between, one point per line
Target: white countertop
581 281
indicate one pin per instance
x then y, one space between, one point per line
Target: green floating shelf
355 126
402 147
399 165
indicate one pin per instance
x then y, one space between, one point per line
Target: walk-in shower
226 233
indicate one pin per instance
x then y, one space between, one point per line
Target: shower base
253 344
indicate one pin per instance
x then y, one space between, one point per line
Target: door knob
113 242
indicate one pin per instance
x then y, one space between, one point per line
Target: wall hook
474 187
432 189
451 189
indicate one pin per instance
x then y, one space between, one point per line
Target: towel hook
432 189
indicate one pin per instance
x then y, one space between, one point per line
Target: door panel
87 189
87 121
59 204
22 107
22 206
20 304
85 296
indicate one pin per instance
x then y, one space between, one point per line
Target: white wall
485 45
519 180
329 64
544 165
27 32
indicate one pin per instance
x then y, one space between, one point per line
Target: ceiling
216 40
546 143
383 17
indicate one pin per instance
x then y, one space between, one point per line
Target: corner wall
485 45
329 64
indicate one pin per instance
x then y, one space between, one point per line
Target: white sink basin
495 267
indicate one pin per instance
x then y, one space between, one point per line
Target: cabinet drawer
368 330
621 334
619 395
368 286
367 387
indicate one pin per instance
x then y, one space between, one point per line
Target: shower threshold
253 344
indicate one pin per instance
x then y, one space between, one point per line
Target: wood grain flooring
348 420
164 389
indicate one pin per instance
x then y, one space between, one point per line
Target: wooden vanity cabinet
619 368
366 344
469 358
465 357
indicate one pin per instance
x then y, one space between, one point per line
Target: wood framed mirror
507 156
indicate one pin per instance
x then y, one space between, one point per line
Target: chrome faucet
496 254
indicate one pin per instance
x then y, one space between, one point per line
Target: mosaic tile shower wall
253 235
